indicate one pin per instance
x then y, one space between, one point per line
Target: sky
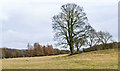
30 21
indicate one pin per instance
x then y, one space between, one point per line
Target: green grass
103 59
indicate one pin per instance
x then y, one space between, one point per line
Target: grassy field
103 59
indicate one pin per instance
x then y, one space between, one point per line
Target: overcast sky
29 21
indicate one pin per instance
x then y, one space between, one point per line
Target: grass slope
103 59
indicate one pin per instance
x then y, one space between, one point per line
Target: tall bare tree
69 24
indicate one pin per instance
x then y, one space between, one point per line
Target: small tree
38 49
104 37
44 50
50 49
79 42
30 51
91 36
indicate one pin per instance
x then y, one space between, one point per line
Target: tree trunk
77 50
71 37
71 49
90 46
70 32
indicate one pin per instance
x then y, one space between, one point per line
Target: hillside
103 59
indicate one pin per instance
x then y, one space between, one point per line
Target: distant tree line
32 51
12 53
38 50
113 45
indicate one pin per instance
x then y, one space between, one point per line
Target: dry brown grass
104 59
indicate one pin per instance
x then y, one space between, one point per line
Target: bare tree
69 24
30 47
79 42
104 37
29 51
91 36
